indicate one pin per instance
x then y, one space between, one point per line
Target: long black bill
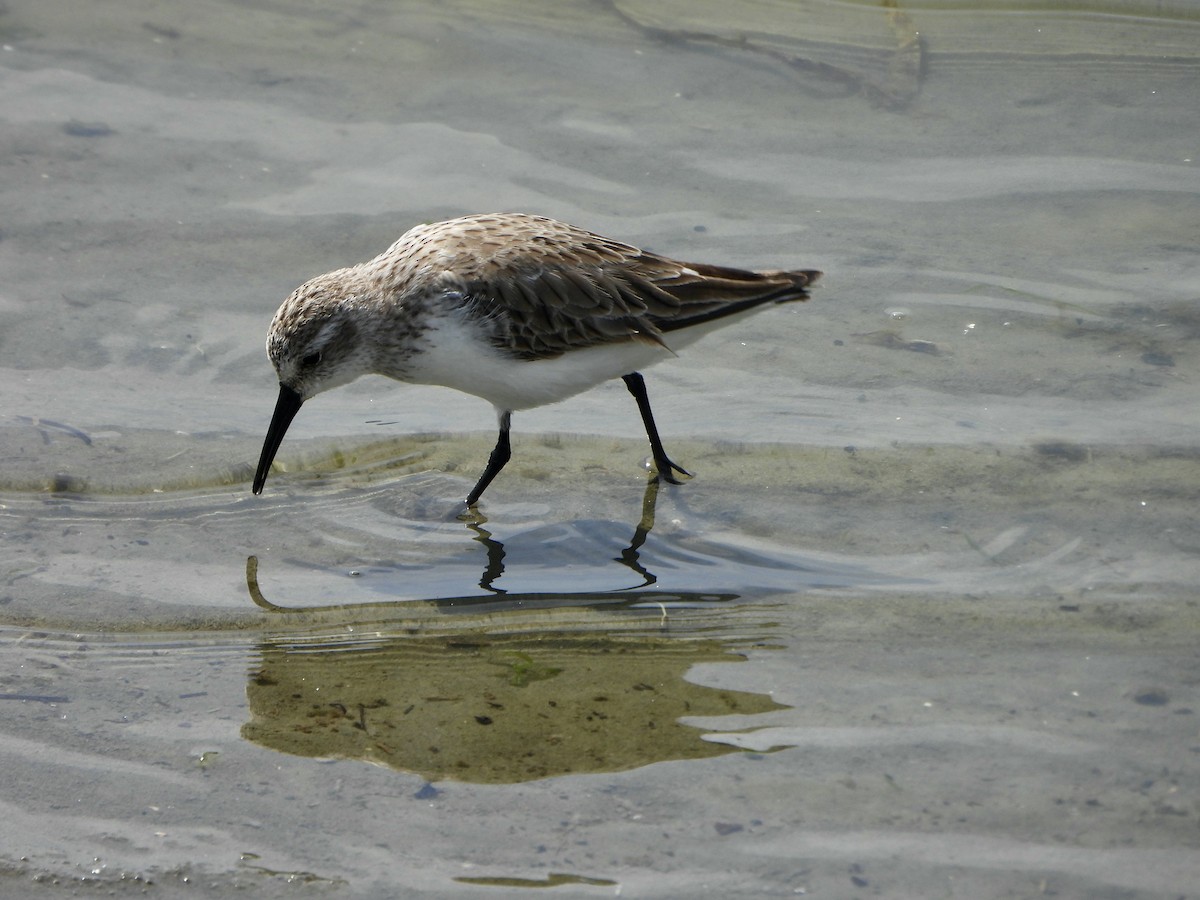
286 408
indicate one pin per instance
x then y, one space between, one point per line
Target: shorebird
519 310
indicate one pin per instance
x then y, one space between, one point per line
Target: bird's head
316 342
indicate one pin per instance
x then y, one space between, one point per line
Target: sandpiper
517 309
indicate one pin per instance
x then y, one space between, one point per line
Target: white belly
457 357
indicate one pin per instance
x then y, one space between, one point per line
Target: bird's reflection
630 556
637 594
502 687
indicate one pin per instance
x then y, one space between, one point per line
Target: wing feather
544 287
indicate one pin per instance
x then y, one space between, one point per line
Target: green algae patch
492 709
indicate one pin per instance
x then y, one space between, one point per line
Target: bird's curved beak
286 407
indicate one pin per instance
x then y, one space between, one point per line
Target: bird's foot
472 515
664 470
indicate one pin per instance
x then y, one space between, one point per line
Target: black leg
637 387
500 455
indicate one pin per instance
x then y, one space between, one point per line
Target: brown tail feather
726 292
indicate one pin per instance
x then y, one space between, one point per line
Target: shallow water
924 622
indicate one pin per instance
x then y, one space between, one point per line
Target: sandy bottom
918 681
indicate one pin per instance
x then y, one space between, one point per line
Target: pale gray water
946 510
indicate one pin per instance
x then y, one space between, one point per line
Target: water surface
924 622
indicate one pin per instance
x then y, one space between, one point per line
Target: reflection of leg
495 558
501 453
637 387
630 556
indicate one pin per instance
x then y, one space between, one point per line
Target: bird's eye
311 359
